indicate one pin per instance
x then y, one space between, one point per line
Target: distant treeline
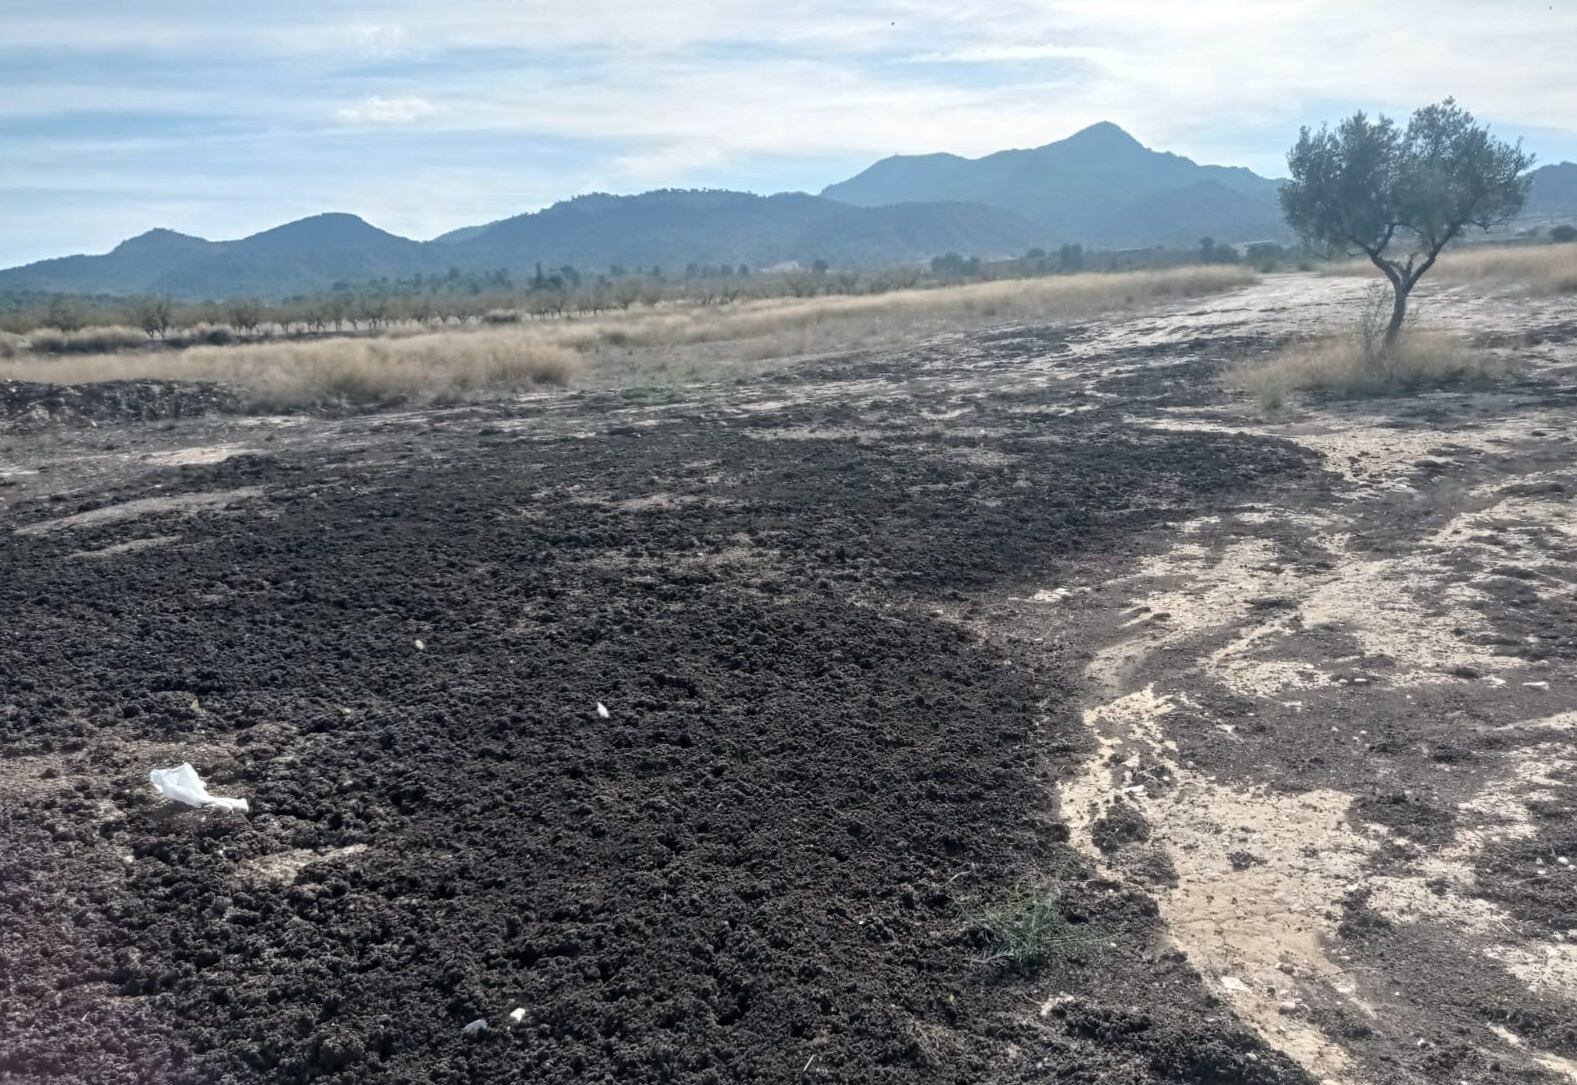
499 297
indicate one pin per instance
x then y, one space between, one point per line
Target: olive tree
1400 196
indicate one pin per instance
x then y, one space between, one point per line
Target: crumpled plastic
182 784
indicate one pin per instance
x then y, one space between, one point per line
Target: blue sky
220 120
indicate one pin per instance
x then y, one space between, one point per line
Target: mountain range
1099 187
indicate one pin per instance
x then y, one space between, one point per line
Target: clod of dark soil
1408 815
1121 824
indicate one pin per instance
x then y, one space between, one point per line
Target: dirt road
1283 709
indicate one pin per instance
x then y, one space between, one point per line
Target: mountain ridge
1075 188
1100 187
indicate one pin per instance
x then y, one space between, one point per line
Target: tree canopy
1400 196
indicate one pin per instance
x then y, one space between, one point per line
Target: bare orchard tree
244 314
1372 189
154 314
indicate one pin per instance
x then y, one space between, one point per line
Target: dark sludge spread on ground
751 871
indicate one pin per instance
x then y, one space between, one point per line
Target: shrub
1563 234
205 335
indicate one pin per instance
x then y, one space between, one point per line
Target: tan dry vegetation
1538 269
659 346
435 367
1346 365
97 339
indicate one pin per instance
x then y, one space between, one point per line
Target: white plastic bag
184 785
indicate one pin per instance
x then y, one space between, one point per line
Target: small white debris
1054 1002
1235 985
420 647
1288 1006
1535 685
479 1025
1492 680
517 1015
1563 861
182 784
602 711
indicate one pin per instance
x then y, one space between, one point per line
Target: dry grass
1538 269
1345 365
726 341
439 367
1542 269
99 339
659 346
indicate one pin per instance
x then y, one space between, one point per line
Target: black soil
31 402
751 871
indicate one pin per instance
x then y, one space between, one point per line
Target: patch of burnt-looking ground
391 643
34 404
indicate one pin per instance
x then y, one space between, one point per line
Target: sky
222 119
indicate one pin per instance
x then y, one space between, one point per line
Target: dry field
1020 705
1540 269
658 347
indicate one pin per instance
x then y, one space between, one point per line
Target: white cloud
997 54
376 109
624 94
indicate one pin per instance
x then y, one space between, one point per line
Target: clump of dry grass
440 367
658 346
11 345
1346 365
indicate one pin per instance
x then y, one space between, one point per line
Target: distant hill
1179 217
1099 186
464 233
669 228
298 257
672 228
1554 191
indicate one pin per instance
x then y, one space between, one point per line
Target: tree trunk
1398 312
